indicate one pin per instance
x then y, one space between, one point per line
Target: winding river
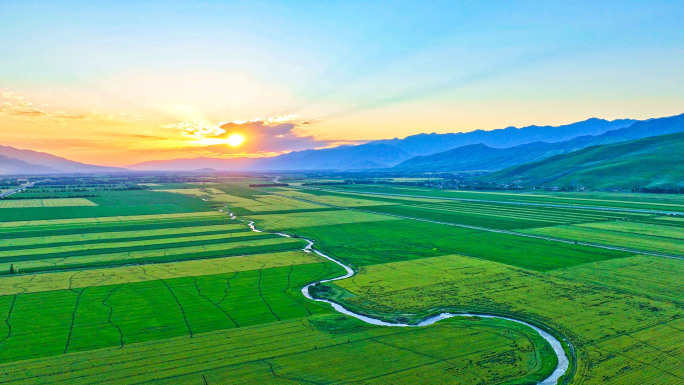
563 361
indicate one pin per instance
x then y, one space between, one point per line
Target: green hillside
652 162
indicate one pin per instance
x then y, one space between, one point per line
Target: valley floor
163 285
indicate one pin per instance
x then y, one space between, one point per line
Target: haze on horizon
116 83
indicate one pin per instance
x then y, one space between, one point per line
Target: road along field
182 296
615 306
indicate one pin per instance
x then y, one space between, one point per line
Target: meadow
160 285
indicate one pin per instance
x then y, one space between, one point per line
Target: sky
121 82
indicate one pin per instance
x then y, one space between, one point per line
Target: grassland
177 292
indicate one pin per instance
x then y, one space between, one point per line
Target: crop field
335 349
97 316
614 319
192 191
160 285
411 259
56 202
110 204
644 236
591 199
196 297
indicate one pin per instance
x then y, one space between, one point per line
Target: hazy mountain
364 156
651 162
52 163
388 153
482 157
193 164
11 166
344 157
425 144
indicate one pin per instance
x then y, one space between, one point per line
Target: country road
18 189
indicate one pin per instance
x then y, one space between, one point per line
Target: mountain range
387 153
651 162
494 150
17 161
485 158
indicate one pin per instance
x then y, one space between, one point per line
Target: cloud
14 104
273 135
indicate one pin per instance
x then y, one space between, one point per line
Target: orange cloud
263 136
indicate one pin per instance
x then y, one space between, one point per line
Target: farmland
57 202
168 289
417 256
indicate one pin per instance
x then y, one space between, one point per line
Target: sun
235 140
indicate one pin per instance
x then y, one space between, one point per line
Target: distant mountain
425 144
651 162
388 153
363 156
194 164
41 162
482 157
11 166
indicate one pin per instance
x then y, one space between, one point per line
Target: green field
56 202
158 286
645 236
591 295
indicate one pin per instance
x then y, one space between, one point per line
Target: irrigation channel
563 361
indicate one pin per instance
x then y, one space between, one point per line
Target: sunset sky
120 82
